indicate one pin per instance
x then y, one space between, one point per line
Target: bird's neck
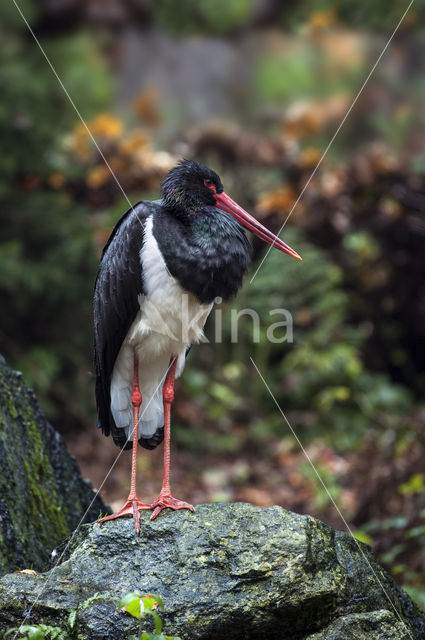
207 251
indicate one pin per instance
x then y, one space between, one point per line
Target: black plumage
198 232
207 252
118 285
204 248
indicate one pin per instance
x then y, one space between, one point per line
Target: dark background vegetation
255 89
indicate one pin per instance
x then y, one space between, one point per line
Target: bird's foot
166 501
132 507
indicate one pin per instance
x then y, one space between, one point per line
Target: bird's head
191 186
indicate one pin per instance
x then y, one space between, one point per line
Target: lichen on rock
228 572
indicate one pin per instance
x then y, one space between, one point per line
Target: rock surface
225 572
42 493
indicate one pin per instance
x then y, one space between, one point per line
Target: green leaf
129 597
54 633
151 601
134 609
31 632
362 536
416 484
148 602
416 532
158 600
131 602
158 622
72 618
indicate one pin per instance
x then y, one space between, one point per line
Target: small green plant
47 632
73 622
140 606
38 632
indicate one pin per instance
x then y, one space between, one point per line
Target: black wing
118 285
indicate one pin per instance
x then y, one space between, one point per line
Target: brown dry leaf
301 118
56 180
382 159
156 162
332 182
309 158
146 105
279 200
344 49
97 177
104 126
118 164
233 143
133 143
29 572
304 117
320 20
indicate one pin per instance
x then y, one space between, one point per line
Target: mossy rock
42 494
225 572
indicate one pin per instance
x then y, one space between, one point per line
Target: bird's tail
151 415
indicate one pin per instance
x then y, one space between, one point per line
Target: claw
132 507
166 501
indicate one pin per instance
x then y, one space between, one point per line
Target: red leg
133 505
165 499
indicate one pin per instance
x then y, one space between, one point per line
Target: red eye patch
210 184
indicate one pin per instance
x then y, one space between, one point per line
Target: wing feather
119 282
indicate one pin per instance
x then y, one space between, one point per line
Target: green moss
11 405
42 493
44 502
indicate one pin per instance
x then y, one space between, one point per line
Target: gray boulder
225 572
42 494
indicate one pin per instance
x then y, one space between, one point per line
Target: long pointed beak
226 203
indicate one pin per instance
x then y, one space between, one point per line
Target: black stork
161 270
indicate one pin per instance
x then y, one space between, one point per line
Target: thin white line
28 613
73 104
329 496
334 136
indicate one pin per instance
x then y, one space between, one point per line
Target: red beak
225 203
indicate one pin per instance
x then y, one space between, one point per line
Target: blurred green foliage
225 16
218 17
320 377
46 246
379 15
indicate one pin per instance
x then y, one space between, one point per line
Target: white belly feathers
168 321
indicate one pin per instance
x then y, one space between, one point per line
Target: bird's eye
209 184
